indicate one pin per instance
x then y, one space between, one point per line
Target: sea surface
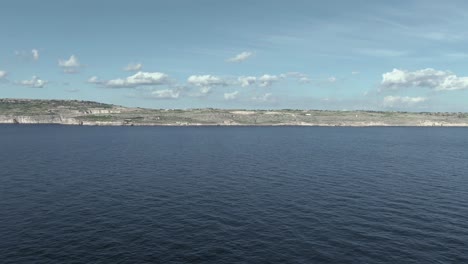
71 194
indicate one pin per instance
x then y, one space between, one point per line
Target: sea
75 194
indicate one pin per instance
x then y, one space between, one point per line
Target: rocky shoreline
28 120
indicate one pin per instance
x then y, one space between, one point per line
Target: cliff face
65 112
57 120
21 111
39 119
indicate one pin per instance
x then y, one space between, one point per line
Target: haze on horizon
343 55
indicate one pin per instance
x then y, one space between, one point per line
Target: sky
256 54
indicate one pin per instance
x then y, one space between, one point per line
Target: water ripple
233 195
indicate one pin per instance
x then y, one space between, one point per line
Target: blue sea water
73 194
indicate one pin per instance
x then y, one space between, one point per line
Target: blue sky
377 55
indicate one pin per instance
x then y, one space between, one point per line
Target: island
74 112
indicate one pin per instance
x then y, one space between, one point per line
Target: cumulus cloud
262 81
3 74
267 80
395 101
206 83
133 67
245 81
231 96
72 65
138 79
240 57
35 54
165 94
425 78
35 82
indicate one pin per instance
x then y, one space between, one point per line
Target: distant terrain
73 112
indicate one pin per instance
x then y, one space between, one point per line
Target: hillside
72 112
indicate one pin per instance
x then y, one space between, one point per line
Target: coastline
87 113
10 121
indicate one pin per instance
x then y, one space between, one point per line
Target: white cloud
393 101
262 81
206 81
268 97
267 80
138 79
231 96
332 79
201 92
301 77
165 94
94 80
205 90
297 75
72 65
245 81
27 54
134 67
3 74
426 78
35 54
241 57
35 82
